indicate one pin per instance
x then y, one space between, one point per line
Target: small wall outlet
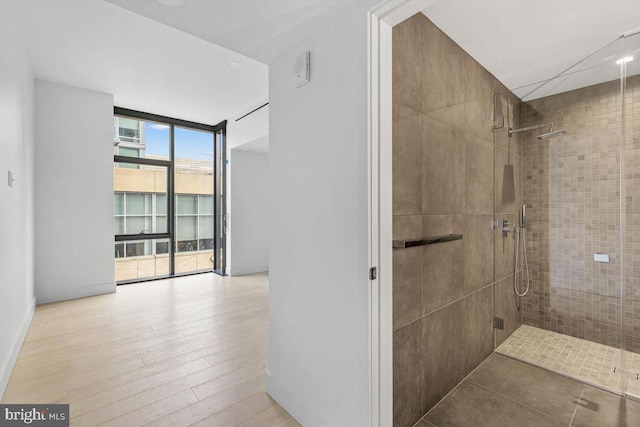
10 178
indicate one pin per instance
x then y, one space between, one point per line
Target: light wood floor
186 351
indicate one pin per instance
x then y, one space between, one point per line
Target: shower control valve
503 225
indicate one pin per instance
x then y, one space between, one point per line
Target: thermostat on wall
302 69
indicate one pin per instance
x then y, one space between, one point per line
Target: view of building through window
141 204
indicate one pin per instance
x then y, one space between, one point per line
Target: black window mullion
218 130
171 200
145 236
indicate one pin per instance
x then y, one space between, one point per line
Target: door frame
381 20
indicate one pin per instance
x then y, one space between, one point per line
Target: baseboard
294 405
44 296
242 271
10 361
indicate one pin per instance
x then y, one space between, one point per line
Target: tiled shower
457 171
572 187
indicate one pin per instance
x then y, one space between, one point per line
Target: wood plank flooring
180 352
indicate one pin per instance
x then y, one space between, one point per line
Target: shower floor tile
504 392
586 361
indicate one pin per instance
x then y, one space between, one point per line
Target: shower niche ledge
401 244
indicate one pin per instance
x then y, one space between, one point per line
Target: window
139 213
194 223
165 208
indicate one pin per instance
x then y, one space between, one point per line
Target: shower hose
518 231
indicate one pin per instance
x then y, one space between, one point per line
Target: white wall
249 128
318 354
74 192
16 203
249 212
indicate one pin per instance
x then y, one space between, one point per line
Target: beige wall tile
443 263
478 176
407 375
443 189
478 100
407 160
477 333
506 307
479 252
443 77
407 62
407 285
443 356
456 196
572 185
406 227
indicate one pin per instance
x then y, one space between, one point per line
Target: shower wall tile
443 76
478 100
407 64
504 109
507 307
478 328
572 188
407 160
407 227
408 385
479 256
443 357
478 176
407 285
443 182
508 107
443 174
443 268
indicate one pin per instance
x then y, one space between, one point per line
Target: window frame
218 131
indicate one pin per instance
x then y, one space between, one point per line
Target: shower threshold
595 364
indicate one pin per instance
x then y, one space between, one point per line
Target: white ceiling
146 65
259 29
522 42
181 70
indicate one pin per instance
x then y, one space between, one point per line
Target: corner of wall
8 364
59 189
297 407
16 216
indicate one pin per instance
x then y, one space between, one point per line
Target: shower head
551 133
546 135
